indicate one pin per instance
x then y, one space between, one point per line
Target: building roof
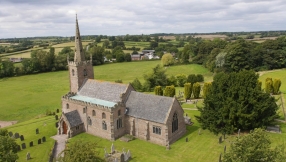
148 107
102 90
73 118
93 100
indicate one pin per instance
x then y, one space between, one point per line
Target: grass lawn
39 152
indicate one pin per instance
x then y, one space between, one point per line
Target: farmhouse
111 110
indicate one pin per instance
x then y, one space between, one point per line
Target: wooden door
65 129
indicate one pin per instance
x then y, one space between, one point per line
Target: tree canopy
235 101
254 147
8 147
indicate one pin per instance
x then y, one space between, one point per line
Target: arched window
89 122
84 72
72 72
67 106
119 112
175 123
104 126
119 123
93 113
84 110
103 116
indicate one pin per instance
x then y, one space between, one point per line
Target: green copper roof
93 100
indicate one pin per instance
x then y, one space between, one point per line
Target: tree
80 151
181 79
8 147
192 78
268 85
206 89
188 87
234 102
170 91
167 59
196 90
172 80
276 86
97 55
153 44
158 77
106 43
120 57
137 85
158 91
127 57
254 147
200 78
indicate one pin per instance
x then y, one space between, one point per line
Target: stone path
7 123
61 143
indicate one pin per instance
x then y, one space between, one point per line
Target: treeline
220 55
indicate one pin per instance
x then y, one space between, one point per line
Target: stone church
111 110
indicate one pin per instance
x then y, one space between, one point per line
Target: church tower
79 69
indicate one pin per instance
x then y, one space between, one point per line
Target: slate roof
148 107
73 118
102 90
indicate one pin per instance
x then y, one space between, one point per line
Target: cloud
27 18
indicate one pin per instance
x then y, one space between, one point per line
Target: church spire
79 54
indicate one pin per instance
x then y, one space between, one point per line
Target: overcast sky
29 18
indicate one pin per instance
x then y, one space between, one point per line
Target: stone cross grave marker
168 147
122 157
238 133
28 156
219 157
58 110
112 148
23 146
22 138
10 134
44 139
57 124
31 144
56 117
39 141
187 139
224 149
16 135
37 131
223 135
129 154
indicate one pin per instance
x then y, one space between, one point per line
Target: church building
111 110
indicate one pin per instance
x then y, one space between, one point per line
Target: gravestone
31 144
18 148
23 146
219 158
224 149
10 134
168 147
37 131
220 139
58 110
223 135
44 139
39 141
199 131
187 139
28 156
22 138
112 148
56 117
16 135
57 124
238 133
122 157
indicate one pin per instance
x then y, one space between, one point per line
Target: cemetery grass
25 97
39 152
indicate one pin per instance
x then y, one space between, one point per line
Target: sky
30 18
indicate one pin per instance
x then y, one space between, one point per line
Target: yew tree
235 102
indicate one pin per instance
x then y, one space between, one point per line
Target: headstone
23 146
125 156
10 134
18 148
39 141
187 139
224 149
16 135
56 117
115 160
57 124
238 133
44 139
199 131
58 110
220 139
105 153
129 154
112 148
22 138
37 131
219 160
223 135
168 147
121 157
31 144
28 157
